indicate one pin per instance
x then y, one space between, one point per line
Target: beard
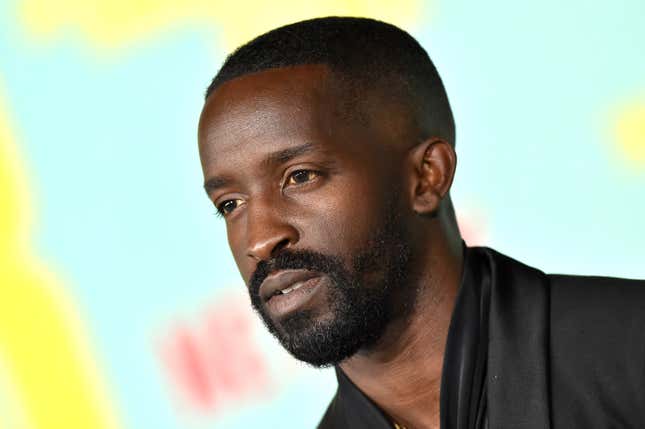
360 297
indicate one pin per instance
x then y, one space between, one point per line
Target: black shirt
526 351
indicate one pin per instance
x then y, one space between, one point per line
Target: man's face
312 208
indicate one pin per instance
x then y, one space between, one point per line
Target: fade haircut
370 54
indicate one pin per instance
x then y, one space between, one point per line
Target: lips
284 282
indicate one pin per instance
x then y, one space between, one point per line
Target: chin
325 341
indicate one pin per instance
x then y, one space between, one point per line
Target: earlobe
434 162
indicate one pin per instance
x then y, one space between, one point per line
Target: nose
268 231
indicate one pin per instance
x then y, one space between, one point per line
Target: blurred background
120 305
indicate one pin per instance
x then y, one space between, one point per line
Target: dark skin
289 170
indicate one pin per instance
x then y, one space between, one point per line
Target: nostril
279 246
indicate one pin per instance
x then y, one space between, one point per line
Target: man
328 147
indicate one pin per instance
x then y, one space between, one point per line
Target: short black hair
372 53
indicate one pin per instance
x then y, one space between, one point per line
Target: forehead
252 102
271 110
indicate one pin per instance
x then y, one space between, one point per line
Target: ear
433 165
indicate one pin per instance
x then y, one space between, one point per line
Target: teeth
292 288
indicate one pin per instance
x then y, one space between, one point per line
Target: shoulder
597 349
604 304
599 315
566 285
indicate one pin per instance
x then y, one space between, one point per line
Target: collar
495 369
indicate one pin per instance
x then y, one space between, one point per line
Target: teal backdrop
100 107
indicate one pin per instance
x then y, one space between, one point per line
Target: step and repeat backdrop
120 305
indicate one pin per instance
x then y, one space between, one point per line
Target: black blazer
527 350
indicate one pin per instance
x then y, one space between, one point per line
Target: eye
301 176
227 206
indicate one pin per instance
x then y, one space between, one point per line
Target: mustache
293 260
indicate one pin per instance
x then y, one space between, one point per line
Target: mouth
291 288
288 290
284 282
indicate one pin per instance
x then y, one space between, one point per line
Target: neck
402 373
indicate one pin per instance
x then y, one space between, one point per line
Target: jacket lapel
518 349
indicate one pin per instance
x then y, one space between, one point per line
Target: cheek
341 219
243 263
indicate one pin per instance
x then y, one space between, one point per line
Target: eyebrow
285 155
215 183
274 158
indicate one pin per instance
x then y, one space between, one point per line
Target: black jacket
526 350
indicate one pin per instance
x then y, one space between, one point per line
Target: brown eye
228 206
301 176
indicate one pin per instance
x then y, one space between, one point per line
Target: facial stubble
360 299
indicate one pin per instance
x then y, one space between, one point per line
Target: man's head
373 59
327 145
